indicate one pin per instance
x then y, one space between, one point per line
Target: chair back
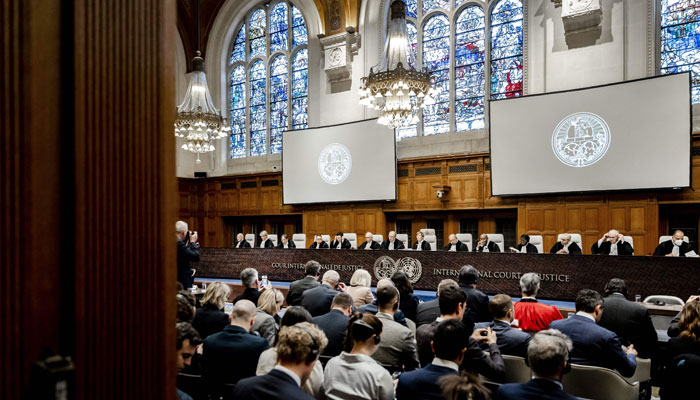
378 238
666 299
630 240
496 238
432 241
273 237
643 371
404 238
352 238
599 383
575 238
327 239
537 241
192 385
427 231
668 237
299 240
516 369
250 238
465 238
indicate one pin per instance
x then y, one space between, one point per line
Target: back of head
450 298
547 352
295 314
180 226
331 277
616 285
499 305
689 325
268 300
530 284
451 337
216 295
361 332
248 277
587 300
445 283
386 296
312 268
296 343
402 283
185 331
361 278
243 311
384 282
343 301
185 306
468 275
467 386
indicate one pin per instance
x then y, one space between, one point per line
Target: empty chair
352 238
327 239
427 231
250 238
378 238
666 299
630 240
667 238
599 383
465 238
643 371
537 241
432 241
516 369
496 238
192 385
273 237
575 238
404 238
299 240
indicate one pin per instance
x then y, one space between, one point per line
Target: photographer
187 250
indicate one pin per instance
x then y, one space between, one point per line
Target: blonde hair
216 294
361 278
295 342
268 301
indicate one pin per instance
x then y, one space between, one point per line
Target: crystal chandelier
198 121
397 92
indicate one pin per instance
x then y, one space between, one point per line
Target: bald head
243 314
331 278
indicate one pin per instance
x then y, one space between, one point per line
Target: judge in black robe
573 248
318 243
485 243
284 239
424 246
369 243
398 245
241 243
666 248
604 244
529 247
458 245
341 242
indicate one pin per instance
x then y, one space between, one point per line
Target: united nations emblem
334 163
411 267
581 139
384 267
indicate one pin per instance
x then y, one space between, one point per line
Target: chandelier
395 91
198 121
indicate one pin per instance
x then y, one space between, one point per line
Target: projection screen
632 135
340 163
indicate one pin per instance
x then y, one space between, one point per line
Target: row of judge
265 242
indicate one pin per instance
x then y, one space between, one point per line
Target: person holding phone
612 243
187 250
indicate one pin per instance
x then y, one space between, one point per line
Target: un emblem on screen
334 163
581 139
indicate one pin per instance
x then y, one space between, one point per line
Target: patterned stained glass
436 58
256 35
680 40
238 53
279 87
459 2
299 33
412 8
300 90
258 110
278 27
433 4
469 69
238 130
507 49
411 130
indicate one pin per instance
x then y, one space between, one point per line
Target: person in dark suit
613 244
369 243
318 300
429 311
310 281
630 321
451 304
373 308
340 242
477 301
335 322
511 341
675 247
392 243
186 345
265 243
187 250
565 246
449 344
318 243
233 343
249 280
421 244
298 348
593 344
241 243
455 245
484 245
210 317
285 243
408 302
525 242
548 355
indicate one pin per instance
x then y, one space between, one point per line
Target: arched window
680 40
272 38
450 39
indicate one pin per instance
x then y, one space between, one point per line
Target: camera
440 193
484 333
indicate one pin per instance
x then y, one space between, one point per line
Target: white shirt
445 363
262 244
418 245
486 247
613 249
238 245
453 247
676 249
391 245
285 245
585 314
290 373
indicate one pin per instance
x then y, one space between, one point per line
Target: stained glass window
469 69
436 58
411 130
260 85
433 4
507 49
680 40
412 8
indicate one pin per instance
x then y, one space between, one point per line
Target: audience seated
340 242
249 280
511 341
335 322
360 289
318 243
269 304
369 243
532 315
451 305
675 247
186 306
565 246
392 243
547 355
673 327
455 245
372 307
318 300
187 250
297 352
612 243
683 365
429 311
477 301
630 321
485 245
354 374
311 273
241 243
210 317
525 246
593 344
285 243
265 242
466 386
421 244
449 345
233 353
268 359
688 339
187 341
398 346
408 302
